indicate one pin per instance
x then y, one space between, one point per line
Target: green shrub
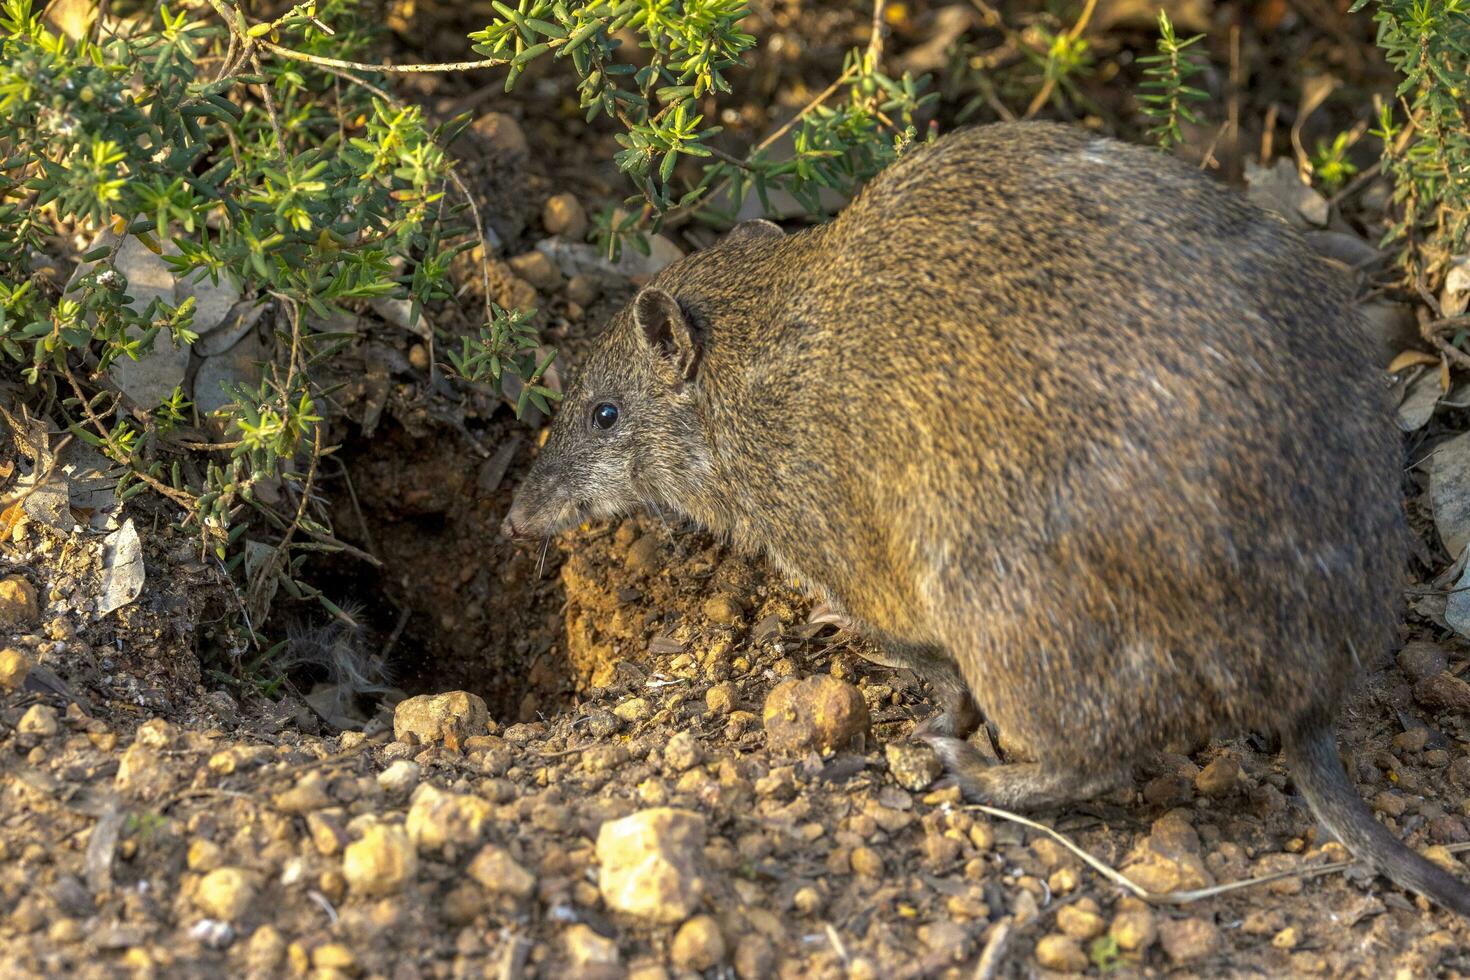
1165 93
269 174
272 159
1425 128
686 49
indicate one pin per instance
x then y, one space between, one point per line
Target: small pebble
334 956
498 872
1081 920
1189 940
502 133
1390 803
1443 692
914 764
17 602
585 948
225 893
1412 740
1134 928
381 863
633 709
807 900
15 667
265 950
721 698
584 290
564 215
1286 938
755 958
643 556
39 720
1422 659
448 718
308 794
436 819
401 776
821 713
682 752
867 862
724 609
538 270
651 863
203 855
698 945
1220 778
1061 953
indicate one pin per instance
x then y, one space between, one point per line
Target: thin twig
179 497
513 960
879 35
270 106
1180 897
403 617
435 68
995 950
806 110
1356 184
459 185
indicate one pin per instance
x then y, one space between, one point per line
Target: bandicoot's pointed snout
514 525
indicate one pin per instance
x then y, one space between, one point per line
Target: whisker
541 561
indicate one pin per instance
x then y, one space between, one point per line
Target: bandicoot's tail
1318 772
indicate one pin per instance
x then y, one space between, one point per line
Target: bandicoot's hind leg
1022 785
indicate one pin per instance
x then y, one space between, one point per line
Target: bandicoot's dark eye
605 416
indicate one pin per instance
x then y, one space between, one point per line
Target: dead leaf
1454 299
1449 492
9 518
1409 358
31 435
122 568
263 566
1457 605
1421 395
150 379
102 846
1340 246
1279 188
91 484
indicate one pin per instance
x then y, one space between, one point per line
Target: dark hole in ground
462 608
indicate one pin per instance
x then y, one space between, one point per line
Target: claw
939 724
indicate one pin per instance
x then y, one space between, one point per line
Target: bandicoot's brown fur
1060 423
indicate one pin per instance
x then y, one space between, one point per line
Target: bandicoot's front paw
941 724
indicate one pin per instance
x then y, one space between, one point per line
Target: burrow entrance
455 606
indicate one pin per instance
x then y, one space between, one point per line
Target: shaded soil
140 754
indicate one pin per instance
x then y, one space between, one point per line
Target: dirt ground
161 816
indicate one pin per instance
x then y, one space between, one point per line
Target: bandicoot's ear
755 228
667 331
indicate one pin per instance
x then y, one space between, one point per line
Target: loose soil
138 759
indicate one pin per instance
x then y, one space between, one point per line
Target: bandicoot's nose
514 525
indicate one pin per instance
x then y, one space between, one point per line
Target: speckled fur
1060 422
